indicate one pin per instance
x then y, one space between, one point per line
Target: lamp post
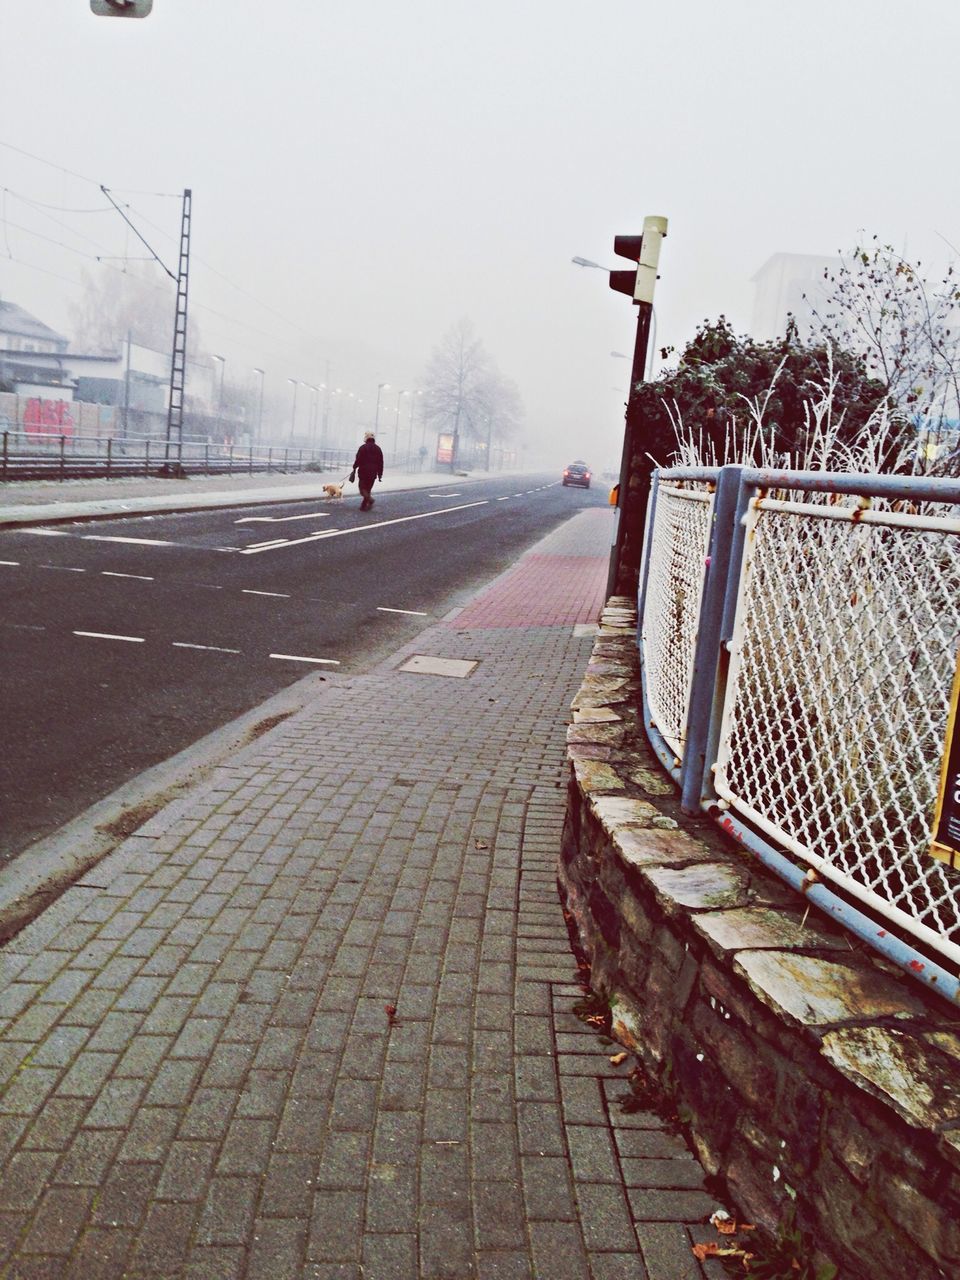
413 401
396 424
293 420
381 386
260 406
313 413
223 365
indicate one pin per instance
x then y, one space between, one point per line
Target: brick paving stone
666 1252
198 1075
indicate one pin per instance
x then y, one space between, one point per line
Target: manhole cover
422 664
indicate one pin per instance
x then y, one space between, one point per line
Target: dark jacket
369 461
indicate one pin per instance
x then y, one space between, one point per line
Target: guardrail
64 457
798 639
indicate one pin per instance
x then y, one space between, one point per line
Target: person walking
368 467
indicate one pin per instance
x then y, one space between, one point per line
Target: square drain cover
424 665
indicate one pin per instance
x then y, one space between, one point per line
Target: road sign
945 844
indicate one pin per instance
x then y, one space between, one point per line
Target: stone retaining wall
810 1072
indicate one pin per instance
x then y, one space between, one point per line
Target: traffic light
121 8
645 252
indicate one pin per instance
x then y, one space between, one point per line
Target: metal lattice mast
178 363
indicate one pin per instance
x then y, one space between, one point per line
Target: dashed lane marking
139 542
299 657
209 648
279 595
444 495
105 635
23 626
140 577
414 613
14 564
62 568
506 498
271 542
310 515
48 533
363 528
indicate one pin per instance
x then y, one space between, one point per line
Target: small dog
333 490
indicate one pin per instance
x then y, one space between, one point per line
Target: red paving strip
541 591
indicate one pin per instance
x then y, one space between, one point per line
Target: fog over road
124 641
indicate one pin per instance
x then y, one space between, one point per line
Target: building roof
14 319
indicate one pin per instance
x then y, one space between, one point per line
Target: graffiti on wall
47 417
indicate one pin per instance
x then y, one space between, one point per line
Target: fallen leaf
723 1222
702 1251
618 1058
480 844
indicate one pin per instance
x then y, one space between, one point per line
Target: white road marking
444 495
296 657
13 563
23 626
271 542
414 613
517 495
140 542
140 577
47 533
105 635
363 528
310 515
505 498
210 648
280 595
62 568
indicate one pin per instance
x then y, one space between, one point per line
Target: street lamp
413 401
652 351
313 412
223 365
259 405
293 420
396 424
588 262
381 386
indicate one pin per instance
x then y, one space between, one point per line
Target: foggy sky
370 173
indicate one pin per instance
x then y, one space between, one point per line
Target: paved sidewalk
44 501
316 1018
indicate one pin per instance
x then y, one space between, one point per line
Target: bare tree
138 301
906 328
466 396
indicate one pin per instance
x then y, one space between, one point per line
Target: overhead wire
149 222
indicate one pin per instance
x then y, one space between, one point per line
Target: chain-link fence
800 669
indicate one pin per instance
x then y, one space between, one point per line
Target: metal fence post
109 456
707 685
269 459
63 456
645 561
230 462
6 452
146 458
250 467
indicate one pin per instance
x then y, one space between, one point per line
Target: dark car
577 473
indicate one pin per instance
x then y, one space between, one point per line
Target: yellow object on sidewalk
614 498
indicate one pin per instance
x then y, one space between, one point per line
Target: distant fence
62 457
798 638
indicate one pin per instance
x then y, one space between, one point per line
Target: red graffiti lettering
48 417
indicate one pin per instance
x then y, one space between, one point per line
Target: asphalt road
124 641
